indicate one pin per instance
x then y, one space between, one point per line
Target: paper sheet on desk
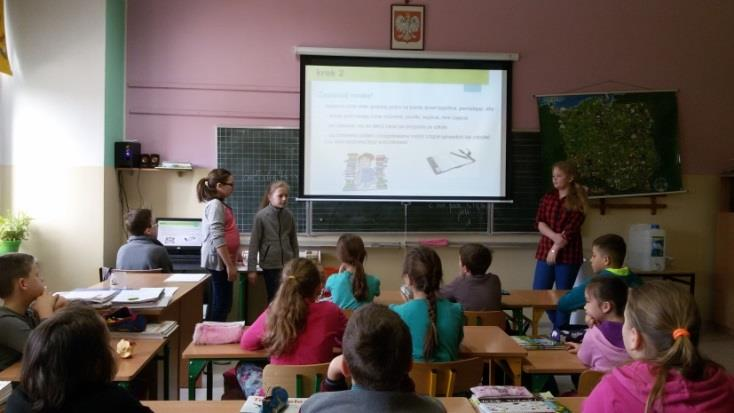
254 404
185 278
163 301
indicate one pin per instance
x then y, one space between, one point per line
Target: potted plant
13 229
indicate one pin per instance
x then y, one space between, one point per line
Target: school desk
681 277
452 404
571 403
185 308
144 350
488 342
540 364
538 300
200 357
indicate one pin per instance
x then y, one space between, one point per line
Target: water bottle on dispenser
646 249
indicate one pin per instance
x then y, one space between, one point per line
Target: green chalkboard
258 156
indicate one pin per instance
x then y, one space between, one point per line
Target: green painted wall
114 119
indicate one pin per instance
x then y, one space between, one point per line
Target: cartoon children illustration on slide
365 172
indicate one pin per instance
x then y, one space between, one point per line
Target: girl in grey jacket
274 237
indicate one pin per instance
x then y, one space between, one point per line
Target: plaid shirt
560 219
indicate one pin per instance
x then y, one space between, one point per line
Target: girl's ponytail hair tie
680 332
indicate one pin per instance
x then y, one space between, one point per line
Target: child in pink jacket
661 331
603 347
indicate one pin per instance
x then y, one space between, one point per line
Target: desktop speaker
127 154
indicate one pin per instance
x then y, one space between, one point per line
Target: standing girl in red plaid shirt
560 215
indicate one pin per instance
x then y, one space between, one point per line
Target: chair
447 378
587 381
347 312
299 381
105 272
485 318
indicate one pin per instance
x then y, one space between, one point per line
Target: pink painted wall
193 65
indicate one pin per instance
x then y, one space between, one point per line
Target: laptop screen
179 233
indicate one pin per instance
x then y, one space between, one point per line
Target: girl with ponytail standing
436 325
560 215
661 329
221 241
351 287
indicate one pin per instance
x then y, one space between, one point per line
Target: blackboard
258 156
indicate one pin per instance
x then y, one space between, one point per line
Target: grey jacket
143 253
212 234
368 401
274 237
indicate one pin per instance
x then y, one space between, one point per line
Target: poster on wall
623 143
4 61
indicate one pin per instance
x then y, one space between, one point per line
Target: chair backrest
587 381
485 318
448 378
347 312
299 381
151 271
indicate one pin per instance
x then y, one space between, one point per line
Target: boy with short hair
475 288
607 259
27 303
378 356
142 251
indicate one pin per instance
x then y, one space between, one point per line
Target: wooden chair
448 378
485 318
587 381
347 312
299 381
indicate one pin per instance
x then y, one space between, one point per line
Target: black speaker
127 154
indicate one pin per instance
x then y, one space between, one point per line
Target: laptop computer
182 239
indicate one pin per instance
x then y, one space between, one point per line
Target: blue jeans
563 275
272 282
220 296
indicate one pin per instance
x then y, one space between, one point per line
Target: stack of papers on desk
5 390
185 278
138 296
152 330
89 296
254 404
538 343
510 399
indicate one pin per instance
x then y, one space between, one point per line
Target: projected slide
402 132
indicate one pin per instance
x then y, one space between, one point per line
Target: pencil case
210 332
125 320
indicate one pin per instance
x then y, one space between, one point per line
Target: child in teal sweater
436 324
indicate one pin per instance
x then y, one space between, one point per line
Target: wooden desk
675 276
572 403
200 357
493 343
452 404
185 308
538 300
552 362
487 342
127 369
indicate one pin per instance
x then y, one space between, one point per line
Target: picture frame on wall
407 27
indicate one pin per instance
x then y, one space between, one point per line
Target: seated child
607 256
351 287
377 356
68 366
475 288
662 326
142 251
294 329
603 347
436 325
27 303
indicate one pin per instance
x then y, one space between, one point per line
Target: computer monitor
180 234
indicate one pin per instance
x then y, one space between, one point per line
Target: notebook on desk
182 239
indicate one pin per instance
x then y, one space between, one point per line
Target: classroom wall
52 128
195 65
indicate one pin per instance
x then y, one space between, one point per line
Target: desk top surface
452 404
516 298
480 341
127 369
552 361
143 280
